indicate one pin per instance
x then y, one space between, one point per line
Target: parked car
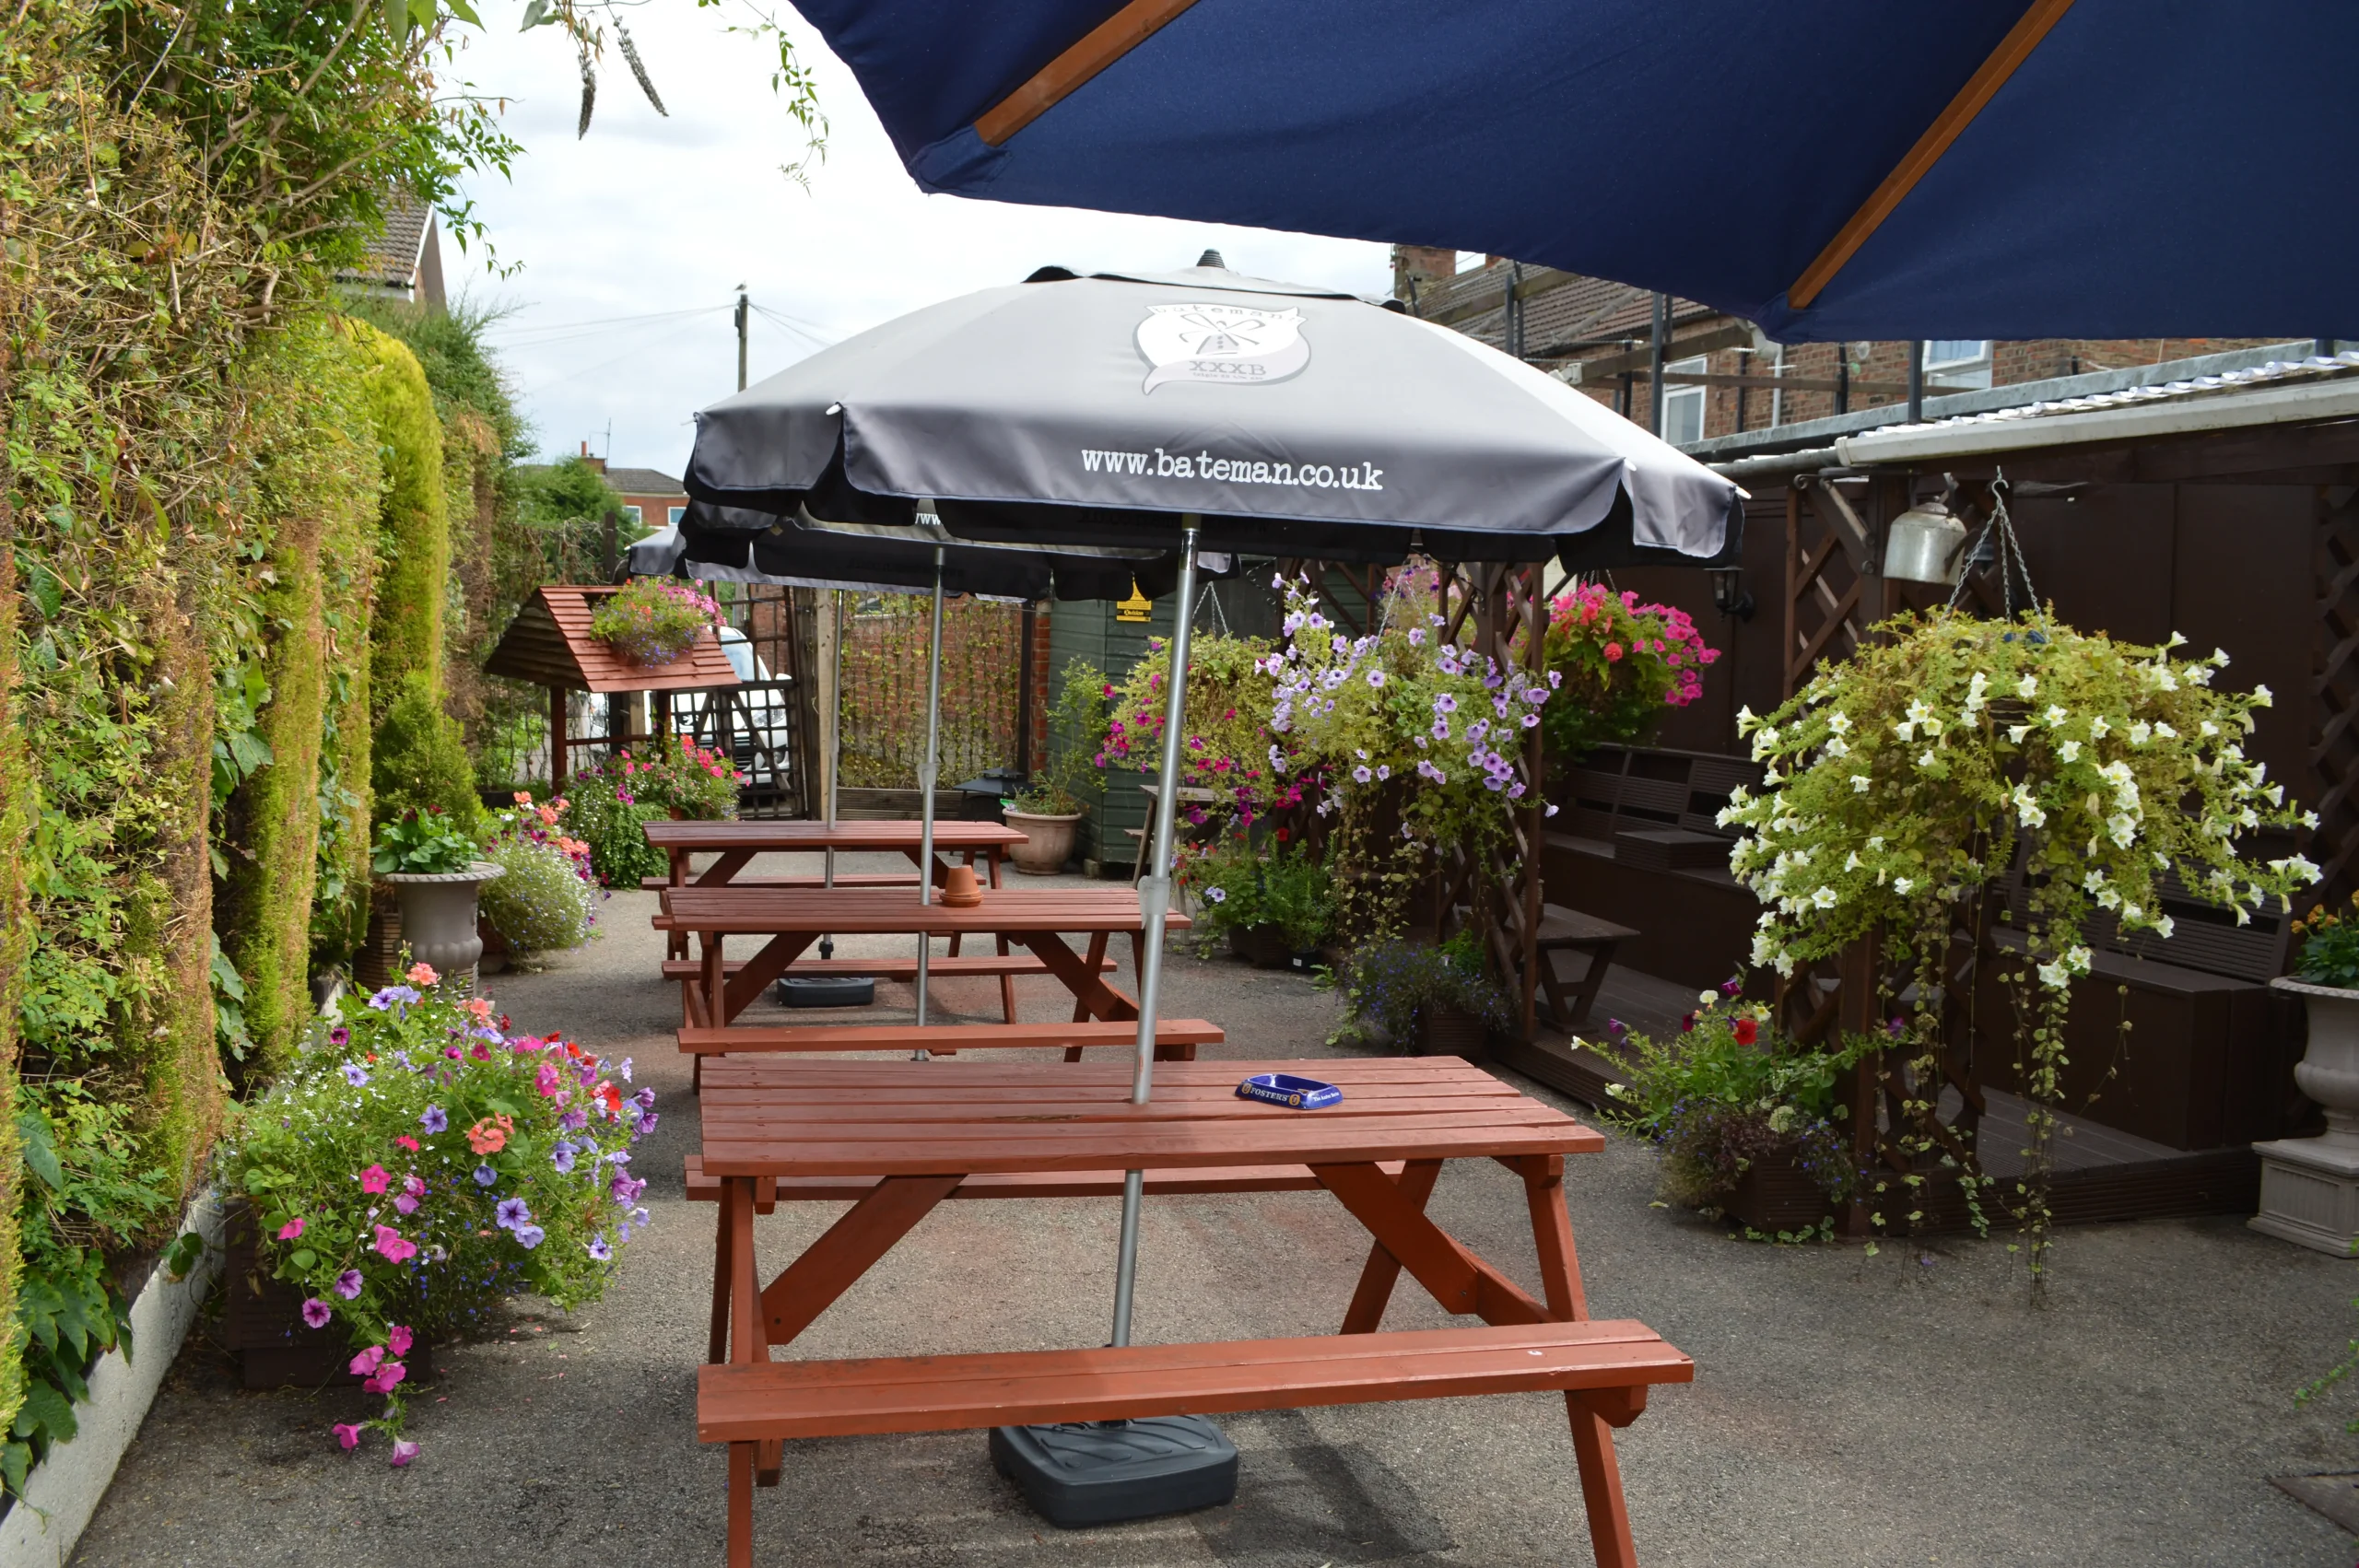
757 717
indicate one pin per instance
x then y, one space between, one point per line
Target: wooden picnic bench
1176 1039
918 1133
1004 966
792 918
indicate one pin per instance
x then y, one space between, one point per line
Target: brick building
1722 377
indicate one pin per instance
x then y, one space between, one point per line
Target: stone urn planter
1048 842
439 915
2309 1186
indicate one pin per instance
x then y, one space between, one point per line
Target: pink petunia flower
366 1362
398 1339
347 1435
390 1242
404 1452
375 1179
291 1230
406 1142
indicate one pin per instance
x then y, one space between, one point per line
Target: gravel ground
1847 1410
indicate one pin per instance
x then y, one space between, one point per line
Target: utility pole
1917 383
742 313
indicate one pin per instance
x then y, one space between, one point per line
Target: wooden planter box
1778 1195
263 1324
1264 947
1443 1031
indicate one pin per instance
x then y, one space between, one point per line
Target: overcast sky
654 217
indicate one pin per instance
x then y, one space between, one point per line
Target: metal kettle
1923 545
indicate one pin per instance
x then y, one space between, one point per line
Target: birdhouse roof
549 644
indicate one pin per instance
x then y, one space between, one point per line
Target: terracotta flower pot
438 916
1048 842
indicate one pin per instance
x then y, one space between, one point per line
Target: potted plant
2309 1186
651 623
1048 810
436 872
1747 1124
1273 910
418 1165
1947 750
1427 1000
1621 664
542 900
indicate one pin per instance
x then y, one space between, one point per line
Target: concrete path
1902 1409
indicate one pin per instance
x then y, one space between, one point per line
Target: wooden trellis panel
2334 699
1831 593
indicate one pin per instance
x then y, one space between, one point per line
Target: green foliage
675 774
1388 983
414 530
420 759
604 813
15 942
1903 780
348 577
560 511
1288 887
418 1166
1078 717
423 843
2329 950
1227 718
1726 1094
541 902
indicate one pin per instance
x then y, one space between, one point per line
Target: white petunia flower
1901 885
2016 733
1824 898
2068 751
2261 696
1859 783
2140 733
2027 688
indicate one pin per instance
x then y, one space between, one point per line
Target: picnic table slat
731 911
931 1149
1344 1071
905 1036
743 1121
794 836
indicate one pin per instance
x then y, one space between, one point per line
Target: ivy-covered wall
414 529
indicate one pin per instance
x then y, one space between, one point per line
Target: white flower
2016 733
1839 722
2054 976
2124 831
2176 641
1926 758
1875 841
1906 729
2261 696
2068 751
2208 728
1745 722
1859 783
2098 728
1824 898
1217 895
2164 731
2162 928
2140 733
2054 716
2027 688
1853 863
1835 748
1901 885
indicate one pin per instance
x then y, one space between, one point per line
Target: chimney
595 464
1427 265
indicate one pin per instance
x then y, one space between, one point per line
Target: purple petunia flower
485 1175
530 1236
512 1212
385 999
339 1036
1445 704
574 1121
347 1284
316 1313
562 1158
647 1124
355 1074
646 1097
624 1072
626 1189
599 1249
436 1119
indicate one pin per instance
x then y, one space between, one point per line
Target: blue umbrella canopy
1828 169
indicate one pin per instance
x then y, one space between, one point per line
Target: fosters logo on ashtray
1230 344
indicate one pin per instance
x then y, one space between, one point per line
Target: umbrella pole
1154 903
926 771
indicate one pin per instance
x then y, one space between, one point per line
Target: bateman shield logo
1230 344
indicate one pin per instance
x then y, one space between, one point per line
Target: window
1955 364
1682 407
674 514
632 513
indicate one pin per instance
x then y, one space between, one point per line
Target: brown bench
1176 1039
1186 1182
1569 930
1603 1367
1004 966
843 879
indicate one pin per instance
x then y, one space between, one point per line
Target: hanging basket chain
2008 551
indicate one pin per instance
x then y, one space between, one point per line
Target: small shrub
420 759
1388 983
606 816
1287 888
423 843
542 902
2330 954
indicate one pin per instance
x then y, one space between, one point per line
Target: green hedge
414 529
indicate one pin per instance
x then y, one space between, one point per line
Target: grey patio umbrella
1204 410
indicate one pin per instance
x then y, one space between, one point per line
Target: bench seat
843 879
1184 1182
1188 1033
939 966
1613 1359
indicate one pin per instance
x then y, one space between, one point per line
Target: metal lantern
1923 545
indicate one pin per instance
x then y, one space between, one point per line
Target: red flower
1686 1023
1747 1032
1282 835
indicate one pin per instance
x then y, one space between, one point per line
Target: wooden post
557 740
1024 676
829 704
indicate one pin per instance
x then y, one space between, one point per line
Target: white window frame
632 512
1958 372
1684 397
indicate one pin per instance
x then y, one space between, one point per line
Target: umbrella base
826 991
1083 1473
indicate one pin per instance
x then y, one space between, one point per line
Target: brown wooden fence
885 680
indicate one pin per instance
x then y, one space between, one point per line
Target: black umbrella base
826 991
1083 1473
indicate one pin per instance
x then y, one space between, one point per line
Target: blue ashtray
1285 1089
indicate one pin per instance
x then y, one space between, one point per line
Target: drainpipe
1777 394
1654 360
1917 383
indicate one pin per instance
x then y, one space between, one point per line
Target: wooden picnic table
905 1136
792 918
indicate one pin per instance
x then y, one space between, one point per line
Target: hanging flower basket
652 623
